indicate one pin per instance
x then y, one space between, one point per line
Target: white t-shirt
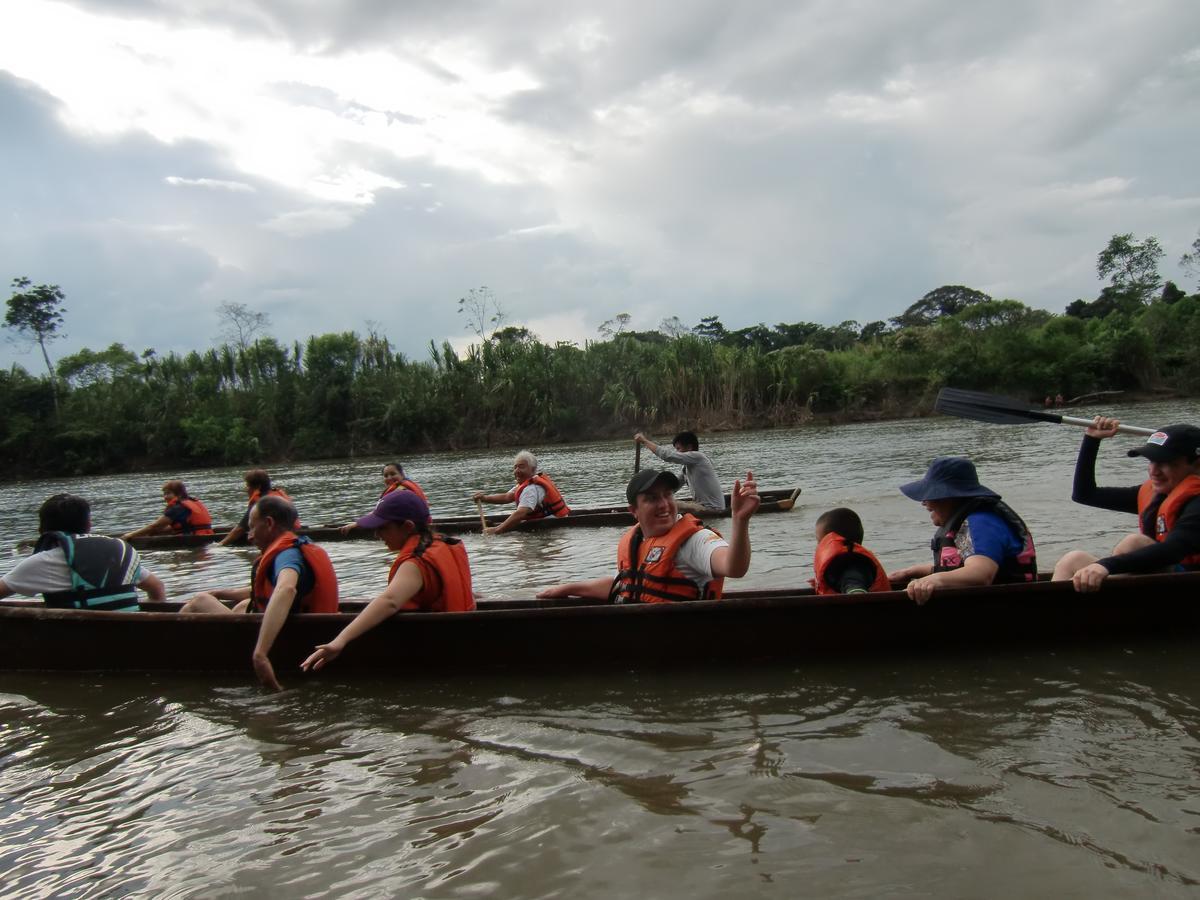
694 558
47 572
531 497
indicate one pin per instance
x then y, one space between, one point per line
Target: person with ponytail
429 574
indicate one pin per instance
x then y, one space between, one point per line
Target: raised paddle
637 457
1006 411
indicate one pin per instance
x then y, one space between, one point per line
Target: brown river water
1069 774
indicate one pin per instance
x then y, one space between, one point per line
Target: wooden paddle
637 457
482 517
1006 411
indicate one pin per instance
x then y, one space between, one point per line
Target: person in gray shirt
697 468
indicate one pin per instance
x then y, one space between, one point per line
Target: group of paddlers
666 556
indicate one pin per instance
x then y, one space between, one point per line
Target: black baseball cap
1171 443
646 479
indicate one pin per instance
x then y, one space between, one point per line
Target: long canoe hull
771 626
612 516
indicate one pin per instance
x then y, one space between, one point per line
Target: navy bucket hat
948 478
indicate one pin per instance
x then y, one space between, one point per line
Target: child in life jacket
842 565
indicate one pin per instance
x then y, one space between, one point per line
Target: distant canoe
772 501
791 626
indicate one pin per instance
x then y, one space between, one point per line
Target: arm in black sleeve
1182 540
1084 489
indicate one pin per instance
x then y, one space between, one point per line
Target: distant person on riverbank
184 514
258 485
979 539
842 565
74 569
536 495
667 557
430 572
291 575
698 472
1168 513
394 479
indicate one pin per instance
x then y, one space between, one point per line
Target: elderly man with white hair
536 495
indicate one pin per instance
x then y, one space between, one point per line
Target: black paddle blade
989 408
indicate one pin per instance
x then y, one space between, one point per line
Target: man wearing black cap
1169 535
666 557
980 540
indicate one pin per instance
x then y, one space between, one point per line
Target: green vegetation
344 394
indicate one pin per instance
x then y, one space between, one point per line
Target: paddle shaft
482 517
637 457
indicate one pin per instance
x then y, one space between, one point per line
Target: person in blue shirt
979 539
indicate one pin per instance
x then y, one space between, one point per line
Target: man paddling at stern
1168 539
291 575
979 539
698 470
667 557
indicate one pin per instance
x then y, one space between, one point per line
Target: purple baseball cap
396 506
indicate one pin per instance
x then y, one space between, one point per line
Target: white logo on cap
1159 437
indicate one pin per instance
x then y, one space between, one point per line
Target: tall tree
241 325
485 315
35 312
1131 266
948 300
1191 260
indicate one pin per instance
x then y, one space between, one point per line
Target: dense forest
252 399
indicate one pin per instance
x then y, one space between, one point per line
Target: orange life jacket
552 504
444 570
198 521
407 485
323 598
273 492
1167 511
830 548
654 577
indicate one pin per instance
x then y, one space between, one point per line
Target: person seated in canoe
291 575
536 495
74 569
698 472
429 574
667 557
394 479
184 514
842 565
979 539
1168 538
258 485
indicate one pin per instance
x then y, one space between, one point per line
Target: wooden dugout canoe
772 501
782 626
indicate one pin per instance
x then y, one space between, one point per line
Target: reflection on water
1059 775
930 780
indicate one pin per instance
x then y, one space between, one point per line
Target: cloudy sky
346 162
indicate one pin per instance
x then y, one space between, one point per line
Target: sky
362 165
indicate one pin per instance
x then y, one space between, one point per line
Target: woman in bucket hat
1168 538
979 539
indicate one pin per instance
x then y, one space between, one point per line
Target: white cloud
214 183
